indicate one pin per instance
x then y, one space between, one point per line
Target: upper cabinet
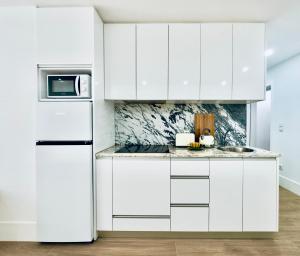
162 61
152 61
120 61
248 61
65 35
216 61
184 61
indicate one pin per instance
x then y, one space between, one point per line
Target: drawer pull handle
142 216
189 205
188 177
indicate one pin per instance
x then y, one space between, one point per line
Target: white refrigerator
64 157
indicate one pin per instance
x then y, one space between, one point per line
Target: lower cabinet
160 194
190 191
189 218
226 195
260 195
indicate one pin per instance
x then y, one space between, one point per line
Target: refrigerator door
64 193
64 121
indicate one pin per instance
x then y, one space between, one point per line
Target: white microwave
69 86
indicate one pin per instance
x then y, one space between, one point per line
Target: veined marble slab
185 153
157 124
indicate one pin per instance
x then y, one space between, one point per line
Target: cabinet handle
141 216
188 177
189 205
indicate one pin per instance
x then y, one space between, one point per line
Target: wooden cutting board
203 121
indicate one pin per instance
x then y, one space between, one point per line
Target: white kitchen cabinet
248 61
260 195
141 186
226 190
65 35
184 61
189 191
120 61
189 218
104 193
216 61
152 61
189 167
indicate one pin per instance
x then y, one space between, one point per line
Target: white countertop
185 153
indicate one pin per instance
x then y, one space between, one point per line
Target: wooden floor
286 242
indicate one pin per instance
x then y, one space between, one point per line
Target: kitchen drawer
193 218
189 191
190 167
141 224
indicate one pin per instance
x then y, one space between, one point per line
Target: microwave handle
77 86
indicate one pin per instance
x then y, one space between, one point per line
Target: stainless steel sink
236 149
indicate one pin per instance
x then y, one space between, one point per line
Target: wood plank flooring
285 243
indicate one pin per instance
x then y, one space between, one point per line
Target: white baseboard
290 184
17 231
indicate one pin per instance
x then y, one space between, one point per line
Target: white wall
285 79
262 122
17 122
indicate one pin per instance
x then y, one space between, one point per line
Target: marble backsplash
159 123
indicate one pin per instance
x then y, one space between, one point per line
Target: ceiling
282 16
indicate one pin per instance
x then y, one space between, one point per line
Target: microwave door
62 86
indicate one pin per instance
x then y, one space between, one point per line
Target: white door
64 121
248 61
141 186
64 193
152 61
216 61
65 35
184 61
260 195
226 191
120 61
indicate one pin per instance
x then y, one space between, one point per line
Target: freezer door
64 121
64 193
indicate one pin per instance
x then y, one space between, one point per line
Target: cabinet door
65 35
141 186
260 195
226 188
184 61
104 194
152 61
216 61
120 61
248 61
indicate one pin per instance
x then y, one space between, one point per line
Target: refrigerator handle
77 85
